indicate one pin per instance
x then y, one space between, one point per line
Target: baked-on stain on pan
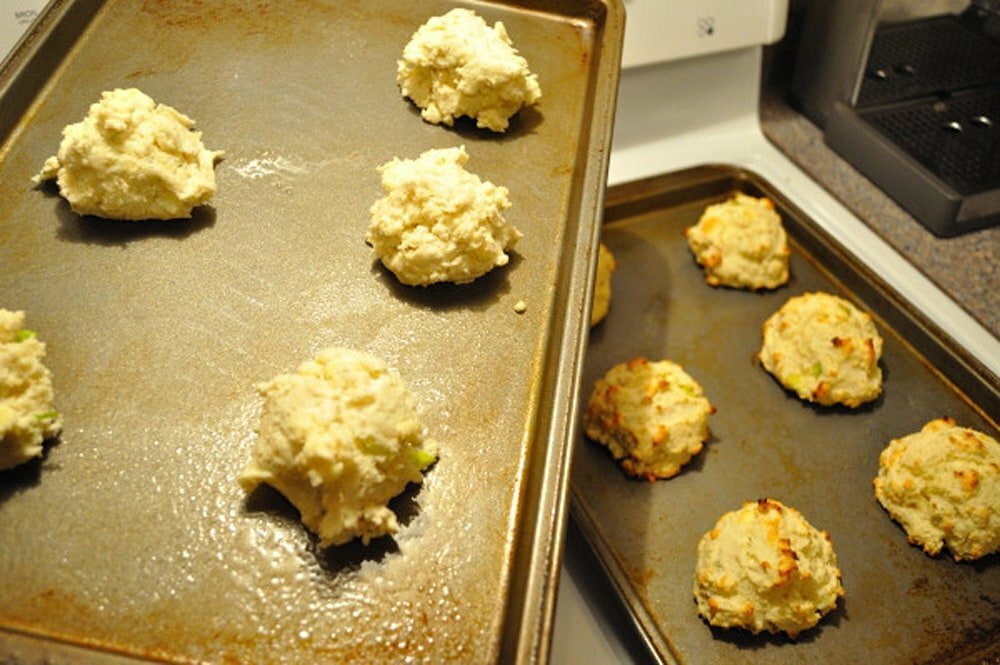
132 536
901 606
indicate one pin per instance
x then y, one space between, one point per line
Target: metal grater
926 123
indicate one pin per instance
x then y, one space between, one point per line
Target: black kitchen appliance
913 104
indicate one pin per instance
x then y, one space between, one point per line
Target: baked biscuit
741 243
606 264
764 567
824 349
652 416
942 484
339 438
27 417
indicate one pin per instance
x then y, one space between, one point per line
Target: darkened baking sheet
901 606
131 535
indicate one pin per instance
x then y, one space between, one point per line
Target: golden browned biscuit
652 416
741 243
764 567
824 349
942 484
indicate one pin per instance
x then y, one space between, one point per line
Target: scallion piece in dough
24 334
47 415
423 458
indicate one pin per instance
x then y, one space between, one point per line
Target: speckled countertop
967 267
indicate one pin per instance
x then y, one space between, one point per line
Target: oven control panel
662 30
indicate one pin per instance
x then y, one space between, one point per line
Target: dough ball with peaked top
942 484
131 158
27 417
438 222
340 438
652 416
824 349
456 65
606 265
765 568
741 243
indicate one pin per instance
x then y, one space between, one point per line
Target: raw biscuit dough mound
741 243
339 438
652 416
26 414
132 159
606 264
942 484
824 349
764 567
457 65
438 222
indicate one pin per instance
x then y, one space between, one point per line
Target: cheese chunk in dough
339 438
438 222
26 414
132 159
457 65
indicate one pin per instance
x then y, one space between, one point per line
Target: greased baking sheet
901 606
131 536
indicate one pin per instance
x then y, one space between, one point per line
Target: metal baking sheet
901 606
131 536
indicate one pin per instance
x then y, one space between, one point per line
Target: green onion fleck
817 369
47 415
24 334
688 390
423 458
